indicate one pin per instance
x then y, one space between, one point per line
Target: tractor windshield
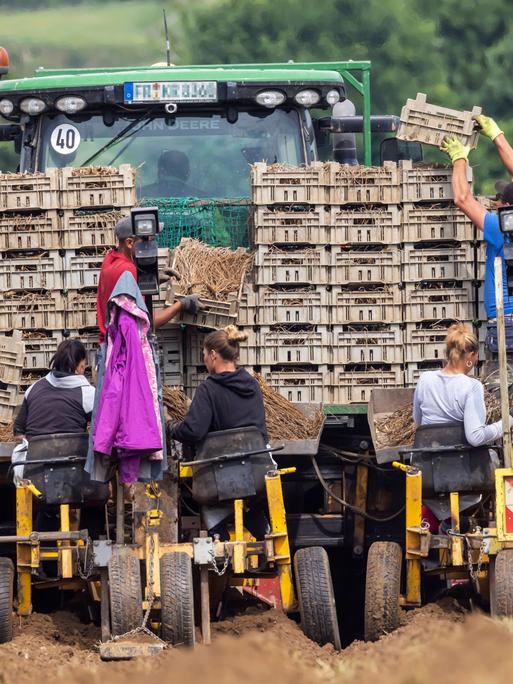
200 155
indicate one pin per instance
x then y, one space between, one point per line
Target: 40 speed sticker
65 139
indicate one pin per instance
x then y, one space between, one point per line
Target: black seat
449 463
227 479
58 470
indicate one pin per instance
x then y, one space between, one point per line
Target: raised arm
489 128
463 198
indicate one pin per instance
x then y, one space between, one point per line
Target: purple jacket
126 416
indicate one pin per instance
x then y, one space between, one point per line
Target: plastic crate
370 303
300 385
31 271
366 263
170 343
367 224
427 123
81 309
247 307
291 346
423 222
440 300
30 231
194 376
9 399
40 349
427 183
213 315
379 343
98 187
29 378
413 371
33 310
306 305
438 261
91 229
24 191
355 384
426 341
293 224
82 269
363 184
11 357
292 266
277 183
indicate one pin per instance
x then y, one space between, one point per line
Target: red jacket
114 265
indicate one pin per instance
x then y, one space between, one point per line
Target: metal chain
214 565
474 574
86 570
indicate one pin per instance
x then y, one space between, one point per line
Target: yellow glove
487 126
455 149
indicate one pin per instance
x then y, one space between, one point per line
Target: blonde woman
450 395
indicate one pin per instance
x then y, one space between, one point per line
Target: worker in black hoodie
229 398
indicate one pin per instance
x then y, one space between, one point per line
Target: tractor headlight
70 104
307 98
270 98
332 97
6 107
32 106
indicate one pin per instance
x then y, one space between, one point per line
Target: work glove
167 273
191 304
487 126
455 149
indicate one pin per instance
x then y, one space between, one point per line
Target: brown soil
436 642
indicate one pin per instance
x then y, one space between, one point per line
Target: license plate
171 91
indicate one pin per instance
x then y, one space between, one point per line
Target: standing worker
488 222
121 259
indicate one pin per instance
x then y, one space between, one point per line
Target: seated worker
60 402
115 263
229 398
450 396
173 173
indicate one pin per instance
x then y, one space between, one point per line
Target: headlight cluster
70 104
306 98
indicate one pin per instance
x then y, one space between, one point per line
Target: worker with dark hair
60 402
229 398
488 223
117 262
173 173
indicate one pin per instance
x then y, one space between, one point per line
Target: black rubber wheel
382 589
177 599
126 611
6 599
502 590
315 595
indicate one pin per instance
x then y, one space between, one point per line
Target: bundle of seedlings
176 403
284 420
214 273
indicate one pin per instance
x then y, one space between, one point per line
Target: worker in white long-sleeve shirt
449 395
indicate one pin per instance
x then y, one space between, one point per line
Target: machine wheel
382 589
315 595
126 611
177 599
6 599
502 589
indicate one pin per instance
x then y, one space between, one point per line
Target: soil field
440 642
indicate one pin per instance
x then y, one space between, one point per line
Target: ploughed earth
441 642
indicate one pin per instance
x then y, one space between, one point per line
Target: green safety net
222 223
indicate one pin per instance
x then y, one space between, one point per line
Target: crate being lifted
429 124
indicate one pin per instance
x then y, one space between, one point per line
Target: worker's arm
197 422
20 422
477 431
463 197
189 304
489 128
